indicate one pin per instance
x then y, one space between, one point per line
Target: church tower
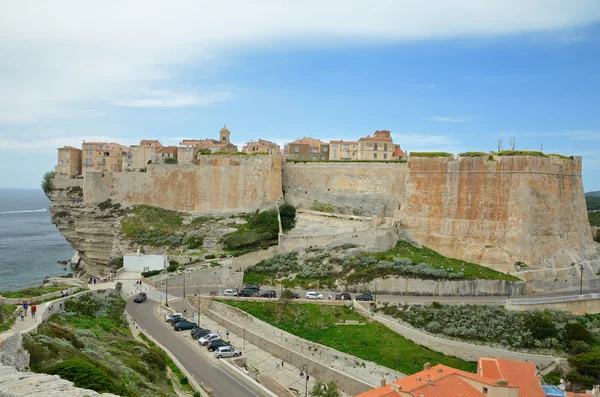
225 134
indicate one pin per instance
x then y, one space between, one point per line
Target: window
374 146
385 147
67 154
325 149
346 147
296 149
385 155
485 390
374 155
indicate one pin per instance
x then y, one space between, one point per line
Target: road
177 290
203 370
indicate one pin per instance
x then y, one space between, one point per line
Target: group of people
66 292
24 309
109 277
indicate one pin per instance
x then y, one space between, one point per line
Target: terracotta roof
149 141
452 386
573 394
375 138
308 141
345 142
398 153
68 148
168 149
518 374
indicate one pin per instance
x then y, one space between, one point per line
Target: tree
288 216
48 182
577 332
322 390
587 364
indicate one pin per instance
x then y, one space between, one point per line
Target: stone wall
352 375
413 286
12 352
465 351
217 185
576 304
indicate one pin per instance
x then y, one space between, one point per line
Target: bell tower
225 133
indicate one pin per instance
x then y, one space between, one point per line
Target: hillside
592 201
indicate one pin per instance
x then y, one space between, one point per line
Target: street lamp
184 284
167 292
581 280
304 374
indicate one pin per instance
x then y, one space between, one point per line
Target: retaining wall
576 304
465 351
352 375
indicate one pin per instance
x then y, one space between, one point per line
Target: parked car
171 316
177 320
208 338
230 292
248 292
364 297
141 297
181 325
295 295
314 295
268 294
255 287
215 344
198 332
344 296
227 351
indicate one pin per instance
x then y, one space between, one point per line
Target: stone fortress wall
217 185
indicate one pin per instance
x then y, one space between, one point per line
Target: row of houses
112 156
380 146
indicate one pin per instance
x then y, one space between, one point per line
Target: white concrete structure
142 263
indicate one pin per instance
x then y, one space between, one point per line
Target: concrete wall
143 263
323 363
576 304
413 286
218 184
466 351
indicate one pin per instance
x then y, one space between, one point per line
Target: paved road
177 290
198 366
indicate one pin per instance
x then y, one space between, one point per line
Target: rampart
218 184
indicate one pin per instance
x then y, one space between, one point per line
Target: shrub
472 154
151 273
172 268
204 152
245 239
587 364
89 374
321 207
533 153
541 326
579 347
577 332
48 182
431 154
193 242
116 262
170 160
288 216
580 380
210 256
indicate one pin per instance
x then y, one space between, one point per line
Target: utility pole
581 280
167 292
183 283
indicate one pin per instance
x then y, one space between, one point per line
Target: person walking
22 314
227 333
25 305
33 310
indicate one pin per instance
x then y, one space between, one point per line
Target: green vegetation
48 182
326 269
548 329
151 273
258 153
33 291
533 153
321 207
560 156
7 319
238 154
260 230
116 262
370 342
91 345
594 218
321 389
473 154
170 160
431 154
587 369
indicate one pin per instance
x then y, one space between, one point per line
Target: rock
14 383
67 281
75 259
62 262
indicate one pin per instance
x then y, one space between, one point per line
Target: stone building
222 145
187 154
343 150
167 152
307 149
69 162
103 156
377 147
139 156
261 146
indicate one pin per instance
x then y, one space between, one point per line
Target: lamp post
167 292
304 374
184 284
581 280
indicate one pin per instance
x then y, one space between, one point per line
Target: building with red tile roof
380 146
307 149
495 378
166 152
69 162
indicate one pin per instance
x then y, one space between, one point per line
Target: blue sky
441 75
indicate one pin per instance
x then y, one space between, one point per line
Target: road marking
180 336
160 296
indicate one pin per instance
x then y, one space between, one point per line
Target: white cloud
445 119
169 99
61 54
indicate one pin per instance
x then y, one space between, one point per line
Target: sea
30 245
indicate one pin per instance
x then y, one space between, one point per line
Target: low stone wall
576 304
352 375
12 352
224 276
242 262
413 286
465 351
34 299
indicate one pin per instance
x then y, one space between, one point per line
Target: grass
147 218
6 316
533 153
31 292
431 154
473 154
594 218
472 271
370 342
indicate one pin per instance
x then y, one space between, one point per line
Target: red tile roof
398 153
573 394
168 149
68 148
518 374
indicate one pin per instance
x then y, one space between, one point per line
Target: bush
245 239
151 273
172 268
210 256
582 381
577 332
472 154
170 160
533 153
48 182
587 364
288 216
579 347
89 375
116 262
431 154
321 207
194 242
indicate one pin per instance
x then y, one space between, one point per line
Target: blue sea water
30 244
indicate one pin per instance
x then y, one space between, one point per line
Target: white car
230 292
208 338
171 316
227 351
314 295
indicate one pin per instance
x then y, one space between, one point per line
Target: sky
441 75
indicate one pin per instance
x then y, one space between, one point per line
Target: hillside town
114 157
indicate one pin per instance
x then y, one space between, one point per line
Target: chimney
440 369
383 382
395 387
426 366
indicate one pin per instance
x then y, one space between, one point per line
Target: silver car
227 351
206 339
230 292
